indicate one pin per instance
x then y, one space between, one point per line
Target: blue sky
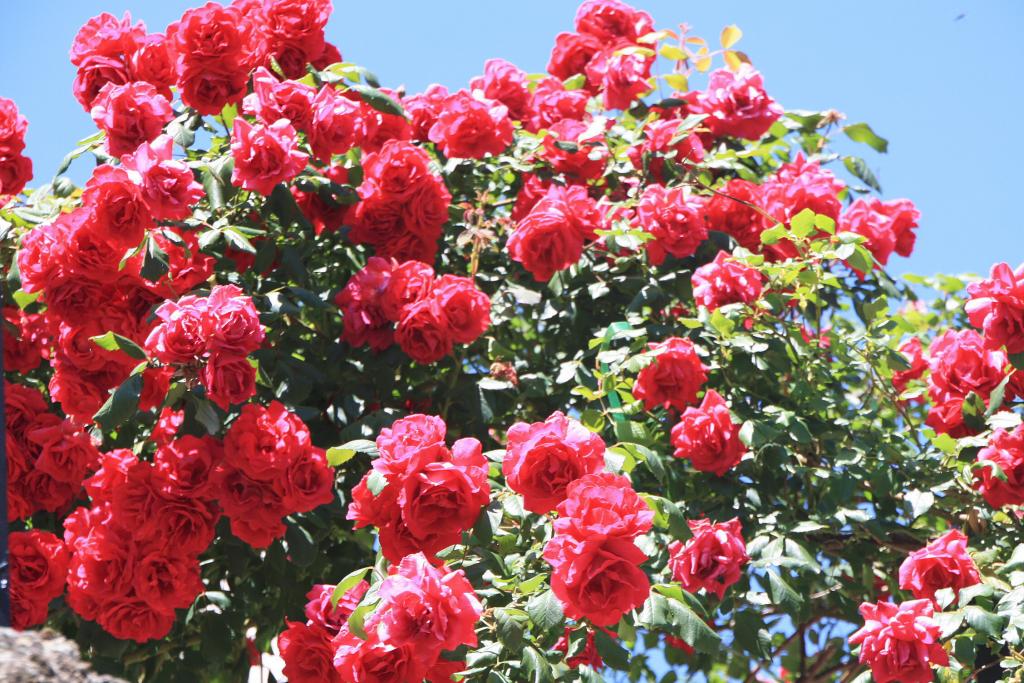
940 79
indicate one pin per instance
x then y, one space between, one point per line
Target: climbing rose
603 505
900 642
675 218
673 377
713 559
736 104
707 436
887 226
914 353
169 187
471 128
943 563
307 653
543 458
265 155
130 115
960 364
733 211
1005 450
551 236
726 281
505 83
996 306
599 580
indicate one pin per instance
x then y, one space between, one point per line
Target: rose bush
572 376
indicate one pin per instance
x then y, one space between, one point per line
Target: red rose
713 559
622 73
543 458
338 124
424 333
736 104
182 335
265 155
471 128
673 378
294 31
38 565
587 161
943 563
550 238
115 208
263 441
675 218
732 211
505 83
169 187
600 506
186 465
597 580
208 89
130 114
66 452
410 282
589 656
662 142
134 619
167 579
375 660
25 350
997 307
914 353
959 365
707 436
229 380
416 592
231 322
253 507
410 443
308 482
726 281
467 309
900 642
1005 450
441 500
611 20
272 99
364 304
571 54
320 612
153 63
551 103
307 653
423 108
796 186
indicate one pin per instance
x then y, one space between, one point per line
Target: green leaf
347 584
155 263
861 132
338 455
358 617
510 628
23 299
773 235
545 611
858 168
667 614
378 99
121 405
301 546
802 224
919 502
535 667
114 342
1017 359
983 621
375 482
782 593
613 654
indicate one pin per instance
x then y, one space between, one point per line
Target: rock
43 657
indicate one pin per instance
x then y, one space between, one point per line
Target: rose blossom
713 559
1005 450
900 642
726 281
674 376
707 436
265 155
943 563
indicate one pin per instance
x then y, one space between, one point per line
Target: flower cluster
270 470
595 561
27 339
38 570
424 611
712 559
551 234
15 167
209 339
90 287
306 647
135 550
47 456
421 494
388 302
900 642
887 226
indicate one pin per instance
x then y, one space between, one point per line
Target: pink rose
713 559
726 281
130 115
265 155
943 563
900 642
